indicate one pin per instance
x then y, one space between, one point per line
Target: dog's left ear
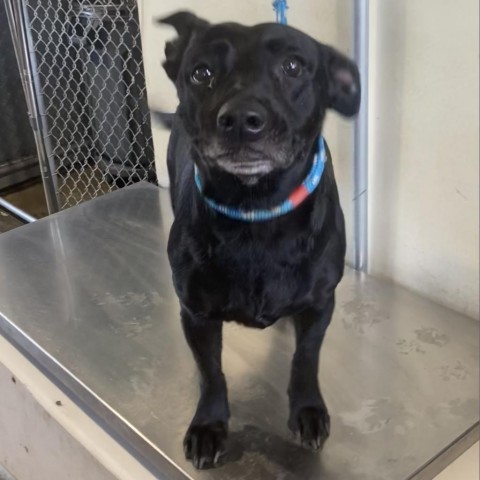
344 90
187 25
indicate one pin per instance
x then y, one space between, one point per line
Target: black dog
252 105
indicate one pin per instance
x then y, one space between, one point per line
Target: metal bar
361 140
16 212
26 62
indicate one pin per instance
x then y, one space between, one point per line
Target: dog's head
253 99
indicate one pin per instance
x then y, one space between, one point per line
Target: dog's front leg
308 412
205 439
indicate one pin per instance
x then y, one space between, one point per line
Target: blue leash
280 7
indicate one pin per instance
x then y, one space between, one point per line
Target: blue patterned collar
296 197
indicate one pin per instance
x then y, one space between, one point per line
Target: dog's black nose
247 120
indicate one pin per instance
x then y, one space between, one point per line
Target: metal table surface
87 293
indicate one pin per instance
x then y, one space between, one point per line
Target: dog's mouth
245 167
248 162
245 162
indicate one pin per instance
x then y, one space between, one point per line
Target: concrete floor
7 222
28 197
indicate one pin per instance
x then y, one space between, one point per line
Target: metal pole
40 108
27 66
16 212
361 140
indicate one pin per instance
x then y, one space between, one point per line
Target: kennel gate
83 76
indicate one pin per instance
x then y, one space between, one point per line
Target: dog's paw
204 444
312 424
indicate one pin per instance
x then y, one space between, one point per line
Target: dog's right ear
187 25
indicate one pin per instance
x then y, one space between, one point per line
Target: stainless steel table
87 293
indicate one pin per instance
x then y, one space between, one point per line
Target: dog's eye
202 75
293 66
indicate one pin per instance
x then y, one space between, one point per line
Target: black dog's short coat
252 105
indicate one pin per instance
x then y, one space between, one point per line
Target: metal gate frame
35 107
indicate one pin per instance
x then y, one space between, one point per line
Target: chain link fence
88 79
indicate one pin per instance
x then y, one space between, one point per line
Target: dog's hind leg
308 413
205 439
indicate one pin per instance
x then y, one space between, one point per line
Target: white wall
424 147
327 21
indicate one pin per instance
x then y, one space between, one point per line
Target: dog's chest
253 282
